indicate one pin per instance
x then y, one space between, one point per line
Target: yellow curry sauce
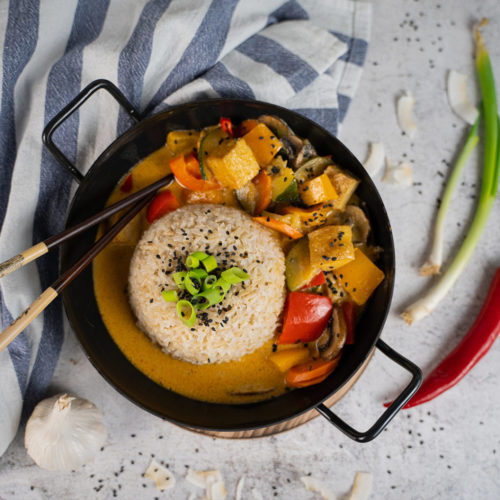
221 382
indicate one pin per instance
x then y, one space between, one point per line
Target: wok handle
390 413
70 108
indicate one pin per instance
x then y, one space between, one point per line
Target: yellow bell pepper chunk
318 190
330 247
233 163
284 360
360 277
263 143
344 184
182 141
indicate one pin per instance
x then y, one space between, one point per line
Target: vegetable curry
262 167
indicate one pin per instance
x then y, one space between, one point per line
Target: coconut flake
397 174
210 480
160 475
362 486
404 109
375 159
315 485
239 488
457 96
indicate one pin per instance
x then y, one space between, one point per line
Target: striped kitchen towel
306 55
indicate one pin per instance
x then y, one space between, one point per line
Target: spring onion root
433 264
489 186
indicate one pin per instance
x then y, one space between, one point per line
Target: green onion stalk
433 264
489 187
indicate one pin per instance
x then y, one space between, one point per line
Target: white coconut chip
397 174
362 486
210 480
161 476
457 96
375 159
239 488
404 109
315 485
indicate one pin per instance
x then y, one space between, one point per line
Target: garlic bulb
64 432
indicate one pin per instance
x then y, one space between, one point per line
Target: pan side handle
390 413
70 108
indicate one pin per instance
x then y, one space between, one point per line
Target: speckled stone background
446 449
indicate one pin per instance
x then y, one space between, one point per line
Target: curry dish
305 200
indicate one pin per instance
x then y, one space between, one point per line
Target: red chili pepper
227 126
350 318
306 316
318 280
126 187
476 343
162 203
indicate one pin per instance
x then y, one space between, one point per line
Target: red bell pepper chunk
126 187
162 203
318 280
306 316
227 126
349 315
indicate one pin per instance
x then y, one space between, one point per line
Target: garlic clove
64 432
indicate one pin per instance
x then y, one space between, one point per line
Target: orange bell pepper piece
310 373
187 172
263 183
280 226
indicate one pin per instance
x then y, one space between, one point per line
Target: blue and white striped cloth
306 55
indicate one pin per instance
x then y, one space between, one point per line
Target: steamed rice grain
249 314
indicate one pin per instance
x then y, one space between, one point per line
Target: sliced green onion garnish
209 282
192 283
199 273
186 312
209 263
208 298
223 284
179 279
199 255
170 295
192 262
234 275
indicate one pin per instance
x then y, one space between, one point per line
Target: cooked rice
249 314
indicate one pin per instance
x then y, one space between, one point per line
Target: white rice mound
250 312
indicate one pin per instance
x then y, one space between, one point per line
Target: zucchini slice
312 168
213 139
284 185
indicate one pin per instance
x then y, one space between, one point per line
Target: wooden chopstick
18 325
42 248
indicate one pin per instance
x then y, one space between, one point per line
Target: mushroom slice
332 340
404 109
277 125
353 216
457 96
306 152
252 391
